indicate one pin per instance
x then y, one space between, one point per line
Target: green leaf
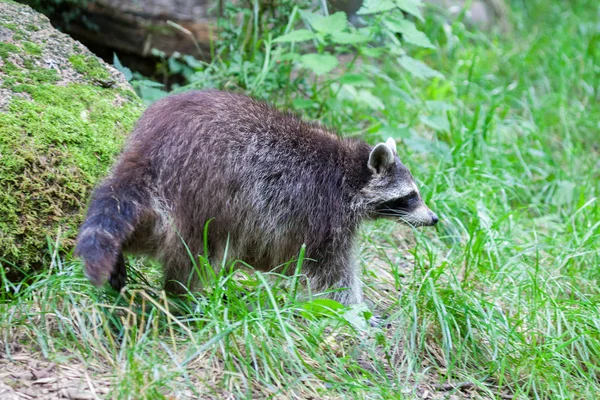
376 6
437 122
150 94
319 63
418 68
409 32
157 53
348 38
401 132
289 57
373 51
300 103
369 99
331 24
411 7
421 145
320 308
355 80
148 83
193 62
175 66
124 70
358 315
299 35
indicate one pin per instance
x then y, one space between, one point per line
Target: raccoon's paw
377 321
118 276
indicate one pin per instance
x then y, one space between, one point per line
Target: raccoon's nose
434 218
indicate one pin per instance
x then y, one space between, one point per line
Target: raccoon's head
391 192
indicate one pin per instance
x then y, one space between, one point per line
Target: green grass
502 297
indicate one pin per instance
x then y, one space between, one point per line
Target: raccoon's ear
391 143
381 158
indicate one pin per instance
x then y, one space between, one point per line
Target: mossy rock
64 115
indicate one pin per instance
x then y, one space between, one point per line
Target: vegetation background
500 300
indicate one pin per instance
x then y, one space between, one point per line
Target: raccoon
268 182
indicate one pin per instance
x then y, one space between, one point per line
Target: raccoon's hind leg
179 273
118 276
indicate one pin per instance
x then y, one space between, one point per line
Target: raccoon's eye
404 203
410 202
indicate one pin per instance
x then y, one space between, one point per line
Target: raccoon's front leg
351 292
341 276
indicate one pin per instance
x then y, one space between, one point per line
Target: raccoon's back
225 156
207 135
214 120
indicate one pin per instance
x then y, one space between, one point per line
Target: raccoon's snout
434 218
423 216
410 209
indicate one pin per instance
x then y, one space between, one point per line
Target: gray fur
268 181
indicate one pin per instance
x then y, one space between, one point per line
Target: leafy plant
306 59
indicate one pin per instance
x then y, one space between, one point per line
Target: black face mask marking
400 205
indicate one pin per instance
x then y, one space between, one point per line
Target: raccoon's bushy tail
113 214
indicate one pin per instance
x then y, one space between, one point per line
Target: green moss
56 141
90 67
10 67
17 77
7 48
44 75
55 145
28 63
33 28
32 48
8 25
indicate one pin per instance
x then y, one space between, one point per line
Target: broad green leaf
368 98
149 83
331 24
300 103
124 70
400 132
175 66
348 38
376 6
409 32
299 35
372 51
289 57
150 94
358 315
437 122
320 308
421 145
411 7
193 62
418 68
319 63
356 80
157 53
